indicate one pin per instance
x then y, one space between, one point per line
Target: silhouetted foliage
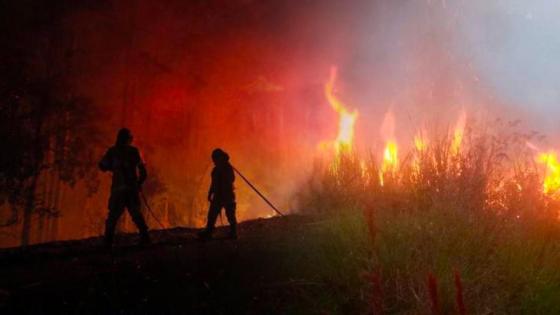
44 125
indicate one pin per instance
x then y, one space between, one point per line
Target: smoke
514 46
427 60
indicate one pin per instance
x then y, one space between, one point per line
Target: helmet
219 155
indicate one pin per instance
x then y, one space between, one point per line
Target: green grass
329 261
481 214
504 271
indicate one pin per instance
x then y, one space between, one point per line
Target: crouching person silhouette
129 173
221 195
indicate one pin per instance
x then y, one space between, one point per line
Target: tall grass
475 221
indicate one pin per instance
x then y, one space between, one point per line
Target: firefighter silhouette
129 173
221 195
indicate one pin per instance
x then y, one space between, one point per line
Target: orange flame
420 143
458 134
551 184
346 120
390 161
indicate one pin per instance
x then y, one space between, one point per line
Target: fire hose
240 175
257 191
150 209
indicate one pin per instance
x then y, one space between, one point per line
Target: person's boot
108 241
233 232
107 244
145 239
205 234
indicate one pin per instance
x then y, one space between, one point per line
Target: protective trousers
118 201
214 211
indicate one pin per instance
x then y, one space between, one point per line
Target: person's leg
116 208
213 212
230 213
133 207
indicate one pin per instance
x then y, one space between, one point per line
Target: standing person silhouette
221 195
129 173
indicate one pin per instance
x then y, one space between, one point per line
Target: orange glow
420 143
390 161
458 134
551 184
346 120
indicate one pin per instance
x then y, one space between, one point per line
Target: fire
551 183
346 120
420 143
458 134
390 161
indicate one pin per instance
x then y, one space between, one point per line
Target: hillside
178 274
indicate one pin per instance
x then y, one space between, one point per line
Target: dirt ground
177 274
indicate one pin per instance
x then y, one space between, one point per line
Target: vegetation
46 128
459 232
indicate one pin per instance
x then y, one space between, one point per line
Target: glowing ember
390 161
551 183
346 118
458 134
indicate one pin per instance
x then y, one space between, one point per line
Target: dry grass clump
478 215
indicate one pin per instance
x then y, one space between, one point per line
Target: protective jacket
222 183
124 161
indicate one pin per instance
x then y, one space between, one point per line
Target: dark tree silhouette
46 128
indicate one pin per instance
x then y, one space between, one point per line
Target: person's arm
230 175
106 162
142 172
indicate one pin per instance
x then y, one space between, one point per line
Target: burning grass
447 229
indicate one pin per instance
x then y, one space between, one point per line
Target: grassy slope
276 267
296 265
506 268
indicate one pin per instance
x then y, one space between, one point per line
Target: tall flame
420 143
551 184
390 161
346 120
458 134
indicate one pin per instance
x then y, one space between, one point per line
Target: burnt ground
177 274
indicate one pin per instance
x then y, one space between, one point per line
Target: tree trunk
59 189
30 191
28 211
41 228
